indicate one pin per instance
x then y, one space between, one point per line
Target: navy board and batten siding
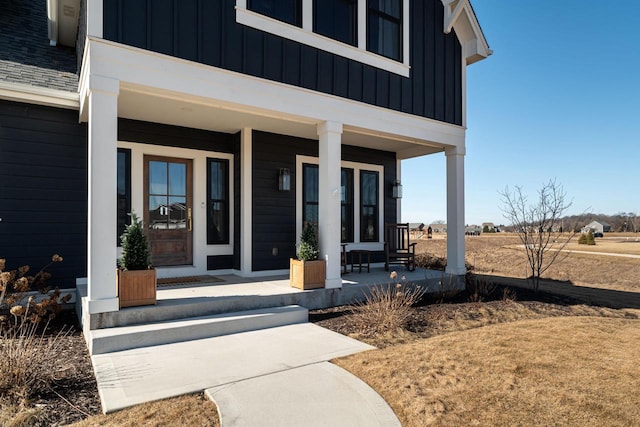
274 212
196 139
206 31
43 190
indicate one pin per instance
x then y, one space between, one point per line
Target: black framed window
384 28
289 11
346 197
123 191
336 19
310 190
369 200
217 201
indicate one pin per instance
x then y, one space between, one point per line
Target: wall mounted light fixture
284 180
397 189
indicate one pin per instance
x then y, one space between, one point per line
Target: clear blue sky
559 98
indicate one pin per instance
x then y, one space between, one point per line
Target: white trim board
39 95
199 157
234 91
305 35
357 167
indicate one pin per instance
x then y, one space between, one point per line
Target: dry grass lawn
500 255
190 410
580 371
499 363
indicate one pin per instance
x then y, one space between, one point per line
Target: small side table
359 253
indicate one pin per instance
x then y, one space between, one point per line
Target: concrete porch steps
120 338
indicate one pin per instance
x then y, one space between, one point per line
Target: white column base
103 305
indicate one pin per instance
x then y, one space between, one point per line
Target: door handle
189 220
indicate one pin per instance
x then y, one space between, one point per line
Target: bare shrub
431 262
387 307
434 262
509 295
29 357
447 289
539 226
479 287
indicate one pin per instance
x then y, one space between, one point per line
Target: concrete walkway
270 377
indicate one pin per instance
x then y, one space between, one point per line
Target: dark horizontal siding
206 31
43 190
274 212
220 262
174 136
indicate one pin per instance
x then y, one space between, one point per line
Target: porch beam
329 158
455 211
102 190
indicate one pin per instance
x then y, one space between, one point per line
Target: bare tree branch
539 226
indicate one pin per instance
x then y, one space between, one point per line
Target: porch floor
232 285
233 293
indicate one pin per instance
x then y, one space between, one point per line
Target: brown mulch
74 396
432 318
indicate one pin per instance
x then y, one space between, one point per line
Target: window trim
201 249
227 202
356 167
305 35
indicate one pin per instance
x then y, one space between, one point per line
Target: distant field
616 243
500 254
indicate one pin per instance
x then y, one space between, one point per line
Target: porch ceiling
139 103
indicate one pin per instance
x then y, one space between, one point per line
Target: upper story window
289 11
336 19
373 32
384 28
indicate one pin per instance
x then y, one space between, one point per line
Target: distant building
489 227
472 230
438 228
416 226
596 226
416 230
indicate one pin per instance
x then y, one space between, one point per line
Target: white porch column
330 134
455 211
102 209
246 149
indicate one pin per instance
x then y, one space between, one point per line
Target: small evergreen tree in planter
136 279
308 272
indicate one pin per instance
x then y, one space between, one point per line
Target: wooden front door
168 210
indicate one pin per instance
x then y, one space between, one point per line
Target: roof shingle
25 54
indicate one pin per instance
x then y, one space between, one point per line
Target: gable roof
459 15
25 54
